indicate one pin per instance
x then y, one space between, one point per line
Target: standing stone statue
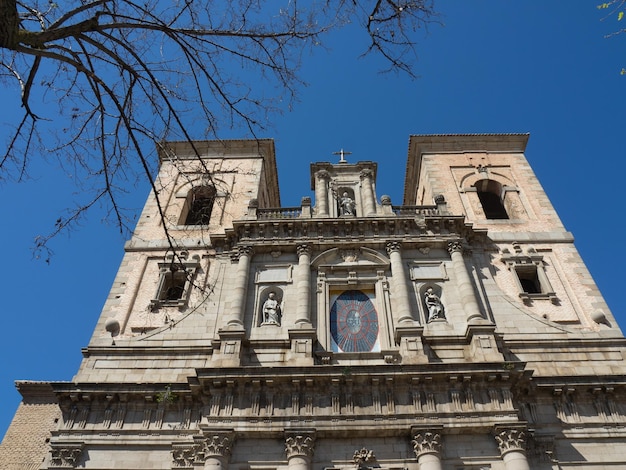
346 205
434 305
271 310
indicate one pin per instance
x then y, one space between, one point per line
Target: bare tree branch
125 76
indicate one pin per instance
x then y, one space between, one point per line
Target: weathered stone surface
524 368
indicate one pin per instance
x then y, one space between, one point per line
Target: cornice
421 144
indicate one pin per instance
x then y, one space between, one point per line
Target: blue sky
495 66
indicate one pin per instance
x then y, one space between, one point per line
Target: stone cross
341 154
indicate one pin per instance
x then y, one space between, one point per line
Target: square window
173 286
529 280
174 283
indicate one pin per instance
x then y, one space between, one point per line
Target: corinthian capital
509 439
455 246
214 444
393 247
322 175
303 249
299 443
426 442
244 251
365 173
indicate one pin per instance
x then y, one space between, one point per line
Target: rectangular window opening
529 280
173 286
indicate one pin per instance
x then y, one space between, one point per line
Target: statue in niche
271 310
346 205
433 305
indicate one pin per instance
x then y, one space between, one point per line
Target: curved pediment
353 257
471 178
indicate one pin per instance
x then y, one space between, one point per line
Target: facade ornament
299 444
66 455
455 246
216 444
349 256
245 250
433 305
347 205
240 251
322 175
426 442
342 154
385 200
272 311
363 456
183 455
366 173
510 439
393 247
303 249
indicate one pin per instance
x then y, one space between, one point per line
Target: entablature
406 229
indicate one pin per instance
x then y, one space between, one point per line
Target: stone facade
459 330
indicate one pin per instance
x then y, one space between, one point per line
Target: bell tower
458 329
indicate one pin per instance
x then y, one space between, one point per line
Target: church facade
458 330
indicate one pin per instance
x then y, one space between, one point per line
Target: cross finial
342 154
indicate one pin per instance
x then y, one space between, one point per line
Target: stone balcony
415 224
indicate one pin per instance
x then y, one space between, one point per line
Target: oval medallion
354 322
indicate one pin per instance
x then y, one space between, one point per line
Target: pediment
353 257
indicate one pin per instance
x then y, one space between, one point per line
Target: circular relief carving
354 322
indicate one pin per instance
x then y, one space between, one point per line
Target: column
464 282
214 449
299 447
369 206
321 193
427 448
512 443
303 284
239 289
401 306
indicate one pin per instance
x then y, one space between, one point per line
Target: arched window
200 205
490 196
